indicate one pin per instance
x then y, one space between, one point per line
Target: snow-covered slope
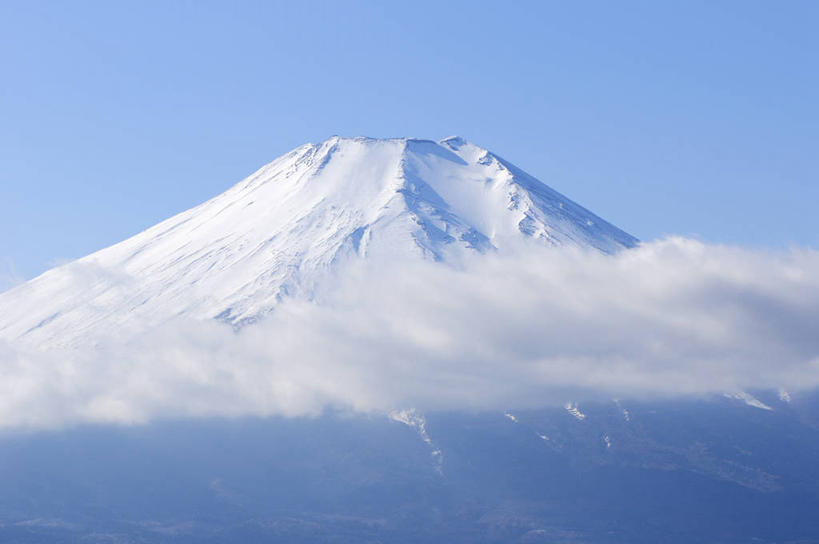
275 233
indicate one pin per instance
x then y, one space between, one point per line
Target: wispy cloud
536 327
9 277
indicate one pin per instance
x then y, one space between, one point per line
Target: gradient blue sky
696 118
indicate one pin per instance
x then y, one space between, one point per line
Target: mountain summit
235 256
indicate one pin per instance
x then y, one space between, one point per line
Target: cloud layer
532 328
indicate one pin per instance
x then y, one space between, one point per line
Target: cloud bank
533 328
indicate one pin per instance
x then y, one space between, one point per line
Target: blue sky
685 118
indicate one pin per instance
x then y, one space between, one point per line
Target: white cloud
510 331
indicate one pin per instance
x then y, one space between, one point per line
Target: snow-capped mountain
276 232
742 466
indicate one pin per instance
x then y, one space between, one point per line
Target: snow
624 411
573 409
280 231
413 419
748 399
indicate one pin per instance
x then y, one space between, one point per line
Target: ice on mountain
573 409
748 399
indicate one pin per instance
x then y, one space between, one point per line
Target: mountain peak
279 231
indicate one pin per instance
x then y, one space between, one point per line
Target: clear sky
695 118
